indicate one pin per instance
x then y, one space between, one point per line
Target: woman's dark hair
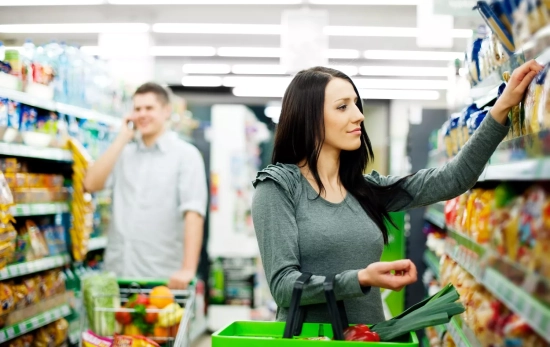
301 133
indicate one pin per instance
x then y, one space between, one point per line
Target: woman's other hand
389 275
515 89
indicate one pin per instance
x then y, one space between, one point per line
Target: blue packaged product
29 118
503 12
475 121
14 109
454 132
3 112
496 25
463 123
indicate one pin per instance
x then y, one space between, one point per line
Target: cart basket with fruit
144 310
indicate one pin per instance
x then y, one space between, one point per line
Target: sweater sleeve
429 186
273 214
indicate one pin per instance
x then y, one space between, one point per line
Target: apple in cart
151 314
138 299
123 317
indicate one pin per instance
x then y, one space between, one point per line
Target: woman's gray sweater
298 232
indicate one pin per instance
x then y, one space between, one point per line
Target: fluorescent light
404 71
49 2
365 2
253 81
182 51
347 69
278 92
412 55
463 33
212 28
164 51
343 54
220 69
379 83
79 28
273 112
258 69
256 92
201 81
370 31
251 52
399 94
276 52
205 2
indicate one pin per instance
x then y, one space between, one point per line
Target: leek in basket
436 310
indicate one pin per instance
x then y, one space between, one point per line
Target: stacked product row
52 335
71 76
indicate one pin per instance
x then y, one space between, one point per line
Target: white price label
22 328
65 310
10 333
34 321
26 209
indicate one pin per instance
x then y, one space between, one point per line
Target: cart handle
127 281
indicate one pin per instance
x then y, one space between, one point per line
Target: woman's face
342 117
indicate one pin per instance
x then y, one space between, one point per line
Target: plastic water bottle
2 51
27 57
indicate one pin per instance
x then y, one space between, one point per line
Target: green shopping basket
294 331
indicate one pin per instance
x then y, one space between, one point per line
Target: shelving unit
97 243
35 266
434 215
25 210
461 334
20 150
34 323
51 105
432 262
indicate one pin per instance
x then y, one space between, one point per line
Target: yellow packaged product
23 341
7 299
37 240
511 228
43 338
11 165
469 212
59 331
484 208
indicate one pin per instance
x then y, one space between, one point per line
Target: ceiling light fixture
50 2
276 52
399 94
201 81
412 55
404 71
215 69
205 2
380 83
182 51
253 81
80 28
258 69
213 28
366 2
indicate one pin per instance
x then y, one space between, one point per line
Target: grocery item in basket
89 339
133 341
161 297
360 332
170 315
101 291
435 310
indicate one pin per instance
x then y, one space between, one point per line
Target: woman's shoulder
286 176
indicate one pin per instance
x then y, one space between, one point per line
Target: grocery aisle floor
203 341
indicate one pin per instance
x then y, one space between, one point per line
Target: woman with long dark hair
315 211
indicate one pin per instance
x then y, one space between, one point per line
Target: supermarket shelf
461 334
50 105
524 170
31 267
24 210
97 243
536 314
435 216
441 330
19 150
34 323
432 261
471 257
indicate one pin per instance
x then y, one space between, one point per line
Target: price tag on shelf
34 321
23 328
2 336
65 310
10 333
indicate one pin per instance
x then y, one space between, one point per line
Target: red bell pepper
360 332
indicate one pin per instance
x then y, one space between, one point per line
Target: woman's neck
328 166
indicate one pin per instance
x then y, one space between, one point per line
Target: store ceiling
378 29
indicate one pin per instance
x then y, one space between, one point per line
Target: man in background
159 195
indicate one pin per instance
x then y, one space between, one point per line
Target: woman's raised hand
392 275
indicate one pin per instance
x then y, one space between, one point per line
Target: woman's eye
343 107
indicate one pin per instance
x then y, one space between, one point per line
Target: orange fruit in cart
174 330
161 297
161 334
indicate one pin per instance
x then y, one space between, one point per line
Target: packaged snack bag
37 241
461 211
469 220
14 109
543 108
3 112
43 338
7 300
89 339
534 118
29 116
531 224
475 121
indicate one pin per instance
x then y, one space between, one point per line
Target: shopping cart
177 335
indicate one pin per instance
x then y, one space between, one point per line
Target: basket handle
297 313
336 309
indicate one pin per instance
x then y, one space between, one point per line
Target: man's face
150 114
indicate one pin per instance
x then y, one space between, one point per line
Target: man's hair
156 89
